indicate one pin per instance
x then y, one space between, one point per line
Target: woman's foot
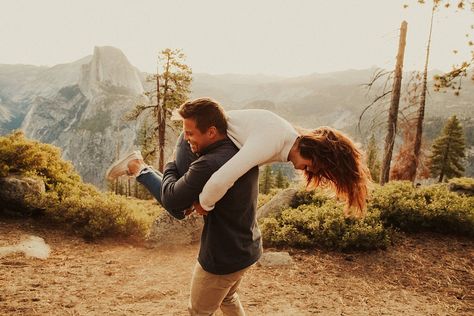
130 165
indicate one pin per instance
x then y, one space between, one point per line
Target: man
231 240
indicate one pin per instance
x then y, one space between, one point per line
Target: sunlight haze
287 38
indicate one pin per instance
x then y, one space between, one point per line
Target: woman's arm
254 152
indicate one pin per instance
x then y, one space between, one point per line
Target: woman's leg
152 180
184 155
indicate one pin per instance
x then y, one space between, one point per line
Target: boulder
275 259
13 192
277 204
168 231
466 189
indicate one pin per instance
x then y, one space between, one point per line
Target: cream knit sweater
262 137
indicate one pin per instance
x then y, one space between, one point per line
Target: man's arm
180 193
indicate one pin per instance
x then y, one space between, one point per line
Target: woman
325 155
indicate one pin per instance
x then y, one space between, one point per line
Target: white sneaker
120 167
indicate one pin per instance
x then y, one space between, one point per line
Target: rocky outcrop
85 119
109 69
168 231
275 259
5 114
466 189
277 204
14 191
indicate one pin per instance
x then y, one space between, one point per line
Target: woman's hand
198 208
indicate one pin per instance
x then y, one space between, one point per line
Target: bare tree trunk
162 119
421 109
117 156
445 161
393 112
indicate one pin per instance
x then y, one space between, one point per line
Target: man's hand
198 208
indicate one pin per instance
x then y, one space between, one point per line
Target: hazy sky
289 38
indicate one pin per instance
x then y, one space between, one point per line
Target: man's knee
231 299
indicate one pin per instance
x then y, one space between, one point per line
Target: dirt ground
420 275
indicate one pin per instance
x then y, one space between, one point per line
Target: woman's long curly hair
336 162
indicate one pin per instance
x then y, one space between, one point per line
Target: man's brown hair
206 112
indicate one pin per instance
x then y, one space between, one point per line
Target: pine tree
280 180
373 161
448 151
266 181
173 81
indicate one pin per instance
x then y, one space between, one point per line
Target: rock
14 190
277 204
275 259
168 231
461 189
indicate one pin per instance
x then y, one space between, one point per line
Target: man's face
197 140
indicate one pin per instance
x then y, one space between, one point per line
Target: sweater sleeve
255 151
179 193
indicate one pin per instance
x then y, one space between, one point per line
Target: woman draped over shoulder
326 156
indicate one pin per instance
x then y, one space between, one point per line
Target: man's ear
212 132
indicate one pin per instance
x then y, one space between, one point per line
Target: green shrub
315 197
23 156
325 226
67 200
431 208
317 220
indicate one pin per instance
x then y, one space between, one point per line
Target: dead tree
394 104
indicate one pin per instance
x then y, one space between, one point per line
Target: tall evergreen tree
173 80
281 181
448 151
266 180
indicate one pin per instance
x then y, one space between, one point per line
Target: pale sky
288 38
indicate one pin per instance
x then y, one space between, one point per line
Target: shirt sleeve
180 192
253 153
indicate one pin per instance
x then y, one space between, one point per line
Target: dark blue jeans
152 180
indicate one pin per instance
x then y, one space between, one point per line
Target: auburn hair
336 162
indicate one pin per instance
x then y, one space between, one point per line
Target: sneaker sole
120 167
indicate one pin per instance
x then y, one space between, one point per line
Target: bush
325 226
316 197
23 156
67 200
317 220
431 208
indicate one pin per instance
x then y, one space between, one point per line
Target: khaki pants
211 291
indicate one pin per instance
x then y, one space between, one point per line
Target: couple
211 173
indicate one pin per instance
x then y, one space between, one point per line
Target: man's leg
210 291
231 304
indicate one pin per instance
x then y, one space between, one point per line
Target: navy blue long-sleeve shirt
230 239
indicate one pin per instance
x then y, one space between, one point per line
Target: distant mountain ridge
79 106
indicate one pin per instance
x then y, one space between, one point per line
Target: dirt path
422 275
